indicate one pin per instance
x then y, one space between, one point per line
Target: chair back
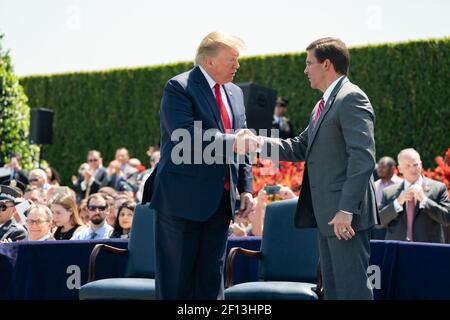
288 253
141 246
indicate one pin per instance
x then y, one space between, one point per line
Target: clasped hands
246 141
413 192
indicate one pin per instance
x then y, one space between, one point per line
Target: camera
272 189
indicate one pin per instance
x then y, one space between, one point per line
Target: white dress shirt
211 84
407 184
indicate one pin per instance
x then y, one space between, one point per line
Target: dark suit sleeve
102 179
293 150
439 209
387 210
357 120
177 113
18 234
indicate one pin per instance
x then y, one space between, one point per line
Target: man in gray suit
416 209
337 194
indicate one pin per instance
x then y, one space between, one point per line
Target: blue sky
55 36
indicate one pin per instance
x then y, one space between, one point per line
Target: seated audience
84 213
53 176
10 230
387 177
35 195
98 228
124 220
39 223
38 178
416 209
65 214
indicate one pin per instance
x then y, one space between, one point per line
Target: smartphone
272 189
21 209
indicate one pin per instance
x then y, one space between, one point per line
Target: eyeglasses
37 222
94 208
310 63
4 207
33 180
93 160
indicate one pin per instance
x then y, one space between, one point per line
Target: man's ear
208 62
327 64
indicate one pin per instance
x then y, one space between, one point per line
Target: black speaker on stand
41 128
259 105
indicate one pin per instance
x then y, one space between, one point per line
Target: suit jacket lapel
209 96
326 108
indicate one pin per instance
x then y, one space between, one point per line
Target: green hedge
406 83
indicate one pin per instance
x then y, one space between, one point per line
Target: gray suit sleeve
387 212
293 149
357 124
439 210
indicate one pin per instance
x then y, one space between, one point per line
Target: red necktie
318 112
226 124
410 208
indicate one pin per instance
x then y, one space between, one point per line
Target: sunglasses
4 207
33 180
94 208
93 160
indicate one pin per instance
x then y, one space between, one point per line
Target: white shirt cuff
397 206
423 202
346 212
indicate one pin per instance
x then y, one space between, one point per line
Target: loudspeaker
41 126
259 105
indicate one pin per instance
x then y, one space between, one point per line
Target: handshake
246 141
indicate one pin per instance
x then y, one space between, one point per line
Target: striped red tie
226 124
318 112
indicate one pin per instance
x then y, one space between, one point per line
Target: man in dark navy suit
194 197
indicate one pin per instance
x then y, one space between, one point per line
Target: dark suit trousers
190 255
344 267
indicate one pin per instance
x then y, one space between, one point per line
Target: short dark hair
96 196
388 161
333 49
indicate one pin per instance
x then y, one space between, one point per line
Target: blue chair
288 260
139 282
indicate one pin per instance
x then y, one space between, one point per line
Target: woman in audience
124 220
65 214
39 223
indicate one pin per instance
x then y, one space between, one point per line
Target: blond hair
213 42
410 152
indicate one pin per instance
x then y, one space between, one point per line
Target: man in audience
15 172
9 229
122 156
98 229
39 223
116 177
93 178
416 209
386 173
35 195
38 178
